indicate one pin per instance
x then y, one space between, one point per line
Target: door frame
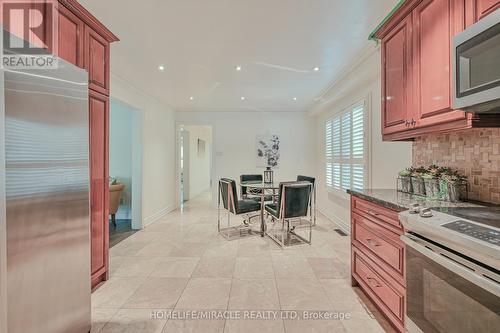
178 125
137 162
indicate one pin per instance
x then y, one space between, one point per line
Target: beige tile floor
181 263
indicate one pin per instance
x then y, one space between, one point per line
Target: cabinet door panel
99 110
96 61
70 37
485 7
434 27
396 78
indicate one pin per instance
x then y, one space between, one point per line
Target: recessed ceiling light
238 68
242 98
295 98
161 68
191 98
316 69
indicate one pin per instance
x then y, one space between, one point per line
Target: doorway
125 171
194 161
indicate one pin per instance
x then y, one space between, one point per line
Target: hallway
181 263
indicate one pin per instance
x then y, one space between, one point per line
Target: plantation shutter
345 149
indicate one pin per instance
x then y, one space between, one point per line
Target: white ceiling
277 43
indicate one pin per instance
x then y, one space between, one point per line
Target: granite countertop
399 201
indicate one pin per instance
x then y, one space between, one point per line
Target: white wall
199 166
158 151
234 141
387 158
120 152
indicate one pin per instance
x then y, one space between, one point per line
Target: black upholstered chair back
228 185
248 178
296 197
311 180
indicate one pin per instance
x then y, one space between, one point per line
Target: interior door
70 37
396 78
435 23
99 185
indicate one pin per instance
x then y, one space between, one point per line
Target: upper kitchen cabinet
97 61
435 22
477 9
396 76
85 42
417 89
70 37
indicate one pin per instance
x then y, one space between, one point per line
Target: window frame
365 161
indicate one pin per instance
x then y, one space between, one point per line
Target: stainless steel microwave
476 66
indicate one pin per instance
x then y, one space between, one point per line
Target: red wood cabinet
396 77
416 67
84 41
70 37
484 7
435 24
99 184
97 61
378 258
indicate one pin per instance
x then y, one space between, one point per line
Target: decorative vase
268 175
432 188
406 184
418 185
456 191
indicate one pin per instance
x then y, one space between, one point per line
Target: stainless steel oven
476 66
448 292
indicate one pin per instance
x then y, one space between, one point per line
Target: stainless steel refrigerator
44 194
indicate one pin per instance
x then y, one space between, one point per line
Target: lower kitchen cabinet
377 260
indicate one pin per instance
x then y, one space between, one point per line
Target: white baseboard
345 227
158 215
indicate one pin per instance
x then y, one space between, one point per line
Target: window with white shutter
345 149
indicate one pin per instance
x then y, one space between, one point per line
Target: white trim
213 181
137 140
158 215
345 227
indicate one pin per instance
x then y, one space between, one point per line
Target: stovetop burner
489 216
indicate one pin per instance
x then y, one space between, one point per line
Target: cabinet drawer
378 214
388 249
389 299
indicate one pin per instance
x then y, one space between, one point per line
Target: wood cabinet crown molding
89 19
400 11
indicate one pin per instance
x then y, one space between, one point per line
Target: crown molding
366 53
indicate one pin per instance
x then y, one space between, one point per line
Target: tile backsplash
474 153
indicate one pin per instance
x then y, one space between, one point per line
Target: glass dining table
262 190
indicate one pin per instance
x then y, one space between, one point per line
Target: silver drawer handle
372 242
371 212
377 284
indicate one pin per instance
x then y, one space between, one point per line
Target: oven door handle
454 266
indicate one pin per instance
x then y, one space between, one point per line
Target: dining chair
228 196
312 180
293 206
